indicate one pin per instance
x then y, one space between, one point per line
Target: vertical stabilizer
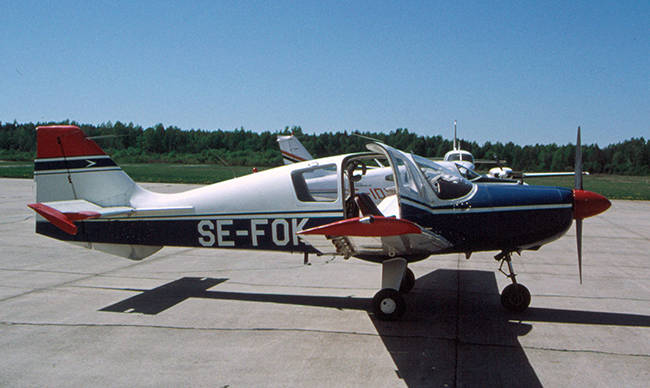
292 150
71 166
72 172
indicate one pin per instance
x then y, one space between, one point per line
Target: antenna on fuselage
367 137
234 175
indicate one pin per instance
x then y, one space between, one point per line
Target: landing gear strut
515 297
389 304
408 282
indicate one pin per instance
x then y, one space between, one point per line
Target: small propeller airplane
85 198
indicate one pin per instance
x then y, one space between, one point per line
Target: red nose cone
588 204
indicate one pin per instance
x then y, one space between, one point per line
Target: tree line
129 143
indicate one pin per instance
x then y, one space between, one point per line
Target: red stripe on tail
64 141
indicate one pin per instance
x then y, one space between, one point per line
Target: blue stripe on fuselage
210 231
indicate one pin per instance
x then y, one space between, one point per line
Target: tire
515 298
388 305
408 282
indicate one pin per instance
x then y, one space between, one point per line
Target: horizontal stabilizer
62 214
61 220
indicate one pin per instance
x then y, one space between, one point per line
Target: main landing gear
389 304
515 297
397 279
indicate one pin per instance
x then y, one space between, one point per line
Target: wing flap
373 236
372 226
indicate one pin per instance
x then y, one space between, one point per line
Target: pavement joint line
590 297
333 332
626 229
639 355
233 283
215 271
23 219
472 343
71 282
182 328
301 287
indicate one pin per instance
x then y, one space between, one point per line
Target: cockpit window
468 158
444 183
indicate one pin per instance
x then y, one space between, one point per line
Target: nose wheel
515 297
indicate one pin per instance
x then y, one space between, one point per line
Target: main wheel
408 282
388 305
515 298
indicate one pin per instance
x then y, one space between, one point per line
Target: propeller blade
579 240
578 177
496 159
578 186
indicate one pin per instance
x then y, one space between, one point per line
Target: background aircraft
292 150
86 199
466 159
457 161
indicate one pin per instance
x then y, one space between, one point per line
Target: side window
316 184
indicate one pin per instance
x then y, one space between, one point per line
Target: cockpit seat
366 205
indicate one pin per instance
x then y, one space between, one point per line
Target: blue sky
507 71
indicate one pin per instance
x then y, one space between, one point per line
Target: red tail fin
64 141
71 166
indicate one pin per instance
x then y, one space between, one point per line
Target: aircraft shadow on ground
455 331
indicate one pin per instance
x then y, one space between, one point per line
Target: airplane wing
63 213
373 236
548 174
489 161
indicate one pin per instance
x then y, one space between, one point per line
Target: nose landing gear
515 297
